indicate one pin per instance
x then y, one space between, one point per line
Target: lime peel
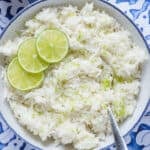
22 80
52 45
28 57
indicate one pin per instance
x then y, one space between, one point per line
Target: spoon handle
120 143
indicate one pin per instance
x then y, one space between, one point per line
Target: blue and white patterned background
139 137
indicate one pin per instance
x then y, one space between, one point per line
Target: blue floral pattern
138 11
8 9
9 140
138 137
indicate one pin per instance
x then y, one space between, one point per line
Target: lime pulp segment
22 80
28 57
52 45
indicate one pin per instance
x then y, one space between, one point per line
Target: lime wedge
28 57
52 45
22 80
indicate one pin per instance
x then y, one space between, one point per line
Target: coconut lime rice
102 69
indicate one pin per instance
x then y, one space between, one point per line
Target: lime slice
22 80
28 57
52 45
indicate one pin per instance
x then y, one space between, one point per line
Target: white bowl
17 24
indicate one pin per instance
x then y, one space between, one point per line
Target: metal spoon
119 141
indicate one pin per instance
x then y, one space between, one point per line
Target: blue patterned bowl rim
114 7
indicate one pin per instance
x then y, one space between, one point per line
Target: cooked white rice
102 68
